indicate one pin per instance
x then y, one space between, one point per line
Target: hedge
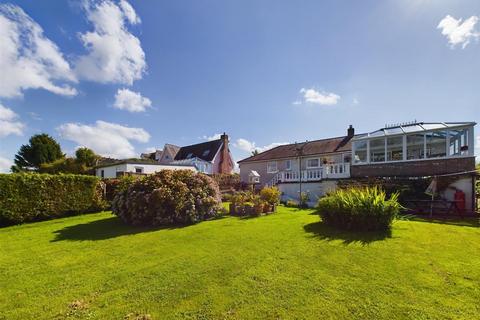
27 197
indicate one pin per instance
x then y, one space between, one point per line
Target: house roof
413 127
322 146
171 148
205 151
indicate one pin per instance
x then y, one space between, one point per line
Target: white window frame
288 165
313 167
269 168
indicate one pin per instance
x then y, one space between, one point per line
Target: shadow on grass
103 229
454 221
325 232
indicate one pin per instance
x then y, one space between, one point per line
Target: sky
124 77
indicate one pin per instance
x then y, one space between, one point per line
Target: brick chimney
226 165
350 131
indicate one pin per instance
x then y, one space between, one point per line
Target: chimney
226 165
224 138
350 131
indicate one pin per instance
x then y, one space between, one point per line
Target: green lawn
287 265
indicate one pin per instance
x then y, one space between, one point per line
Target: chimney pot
350 131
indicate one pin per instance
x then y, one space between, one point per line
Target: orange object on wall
460 200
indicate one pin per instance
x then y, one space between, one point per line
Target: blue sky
124 77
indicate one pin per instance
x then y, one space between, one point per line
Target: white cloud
9 123
215 136
297 102
105 138
131 101
250 146
114 54
458 32
322 98
29 60
355 101
5 165
150 149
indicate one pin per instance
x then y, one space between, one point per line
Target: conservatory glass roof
412 128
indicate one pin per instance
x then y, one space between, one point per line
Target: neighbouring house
116 169
209 157
409 151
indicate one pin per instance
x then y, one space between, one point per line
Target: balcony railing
328 171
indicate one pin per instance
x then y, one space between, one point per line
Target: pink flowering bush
168 197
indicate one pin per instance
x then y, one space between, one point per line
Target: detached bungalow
120 168
409 151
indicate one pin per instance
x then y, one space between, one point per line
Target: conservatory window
458 142
436 144
377 150
360 152
415 146
395 148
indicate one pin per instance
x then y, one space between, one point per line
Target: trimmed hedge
167 197
27 197
359 209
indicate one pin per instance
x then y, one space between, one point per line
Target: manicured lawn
287 265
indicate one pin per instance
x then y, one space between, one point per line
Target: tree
255 152
86 156
41 149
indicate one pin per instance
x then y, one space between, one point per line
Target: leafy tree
86 157
255 152
41 149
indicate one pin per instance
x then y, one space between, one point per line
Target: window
377 150
415 146
189 155
205 153
436 144
360 152
313 163
458 142
272 167
288 165
102 173
395 148
138 170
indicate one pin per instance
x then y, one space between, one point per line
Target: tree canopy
41 149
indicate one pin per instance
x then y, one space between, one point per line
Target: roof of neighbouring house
322 146
205 150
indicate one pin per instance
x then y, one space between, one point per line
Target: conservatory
415 141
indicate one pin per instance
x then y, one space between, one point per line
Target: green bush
167 197
271 195
33 197
359 209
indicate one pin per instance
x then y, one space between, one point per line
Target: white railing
328 171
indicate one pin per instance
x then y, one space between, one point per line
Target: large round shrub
167 197
359 209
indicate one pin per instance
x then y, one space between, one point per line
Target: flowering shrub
167 197
271 195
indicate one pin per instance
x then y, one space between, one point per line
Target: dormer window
205 153
189 155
